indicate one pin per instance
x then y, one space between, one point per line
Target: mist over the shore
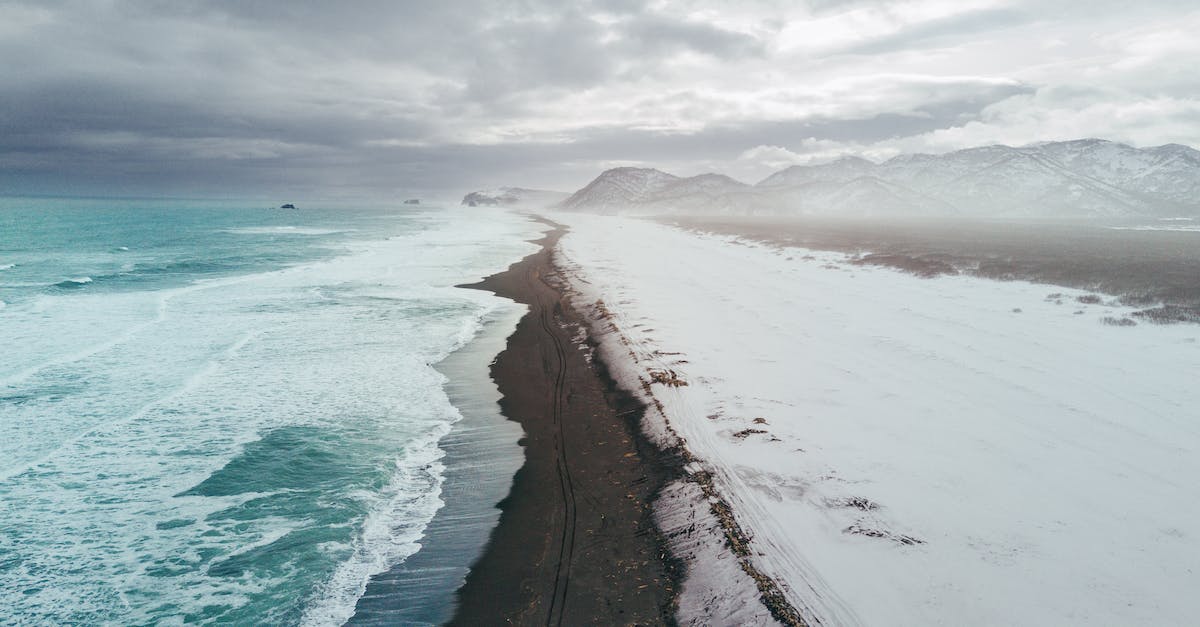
380 99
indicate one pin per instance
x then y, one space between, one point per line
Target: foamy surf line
396 530
481 456
285 230
1156 228
390 533
393 530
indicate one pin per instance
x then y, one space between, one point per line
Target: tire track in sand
566 551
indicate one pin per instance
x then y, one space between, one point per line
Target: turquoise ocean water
228 415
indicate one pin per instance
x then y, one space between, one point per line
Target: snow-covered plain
908 451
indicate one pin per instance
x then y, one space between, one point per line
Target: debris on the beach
860 529
855 502
667 377
1170 314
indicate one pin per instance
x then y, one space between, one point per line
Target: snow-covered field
907 451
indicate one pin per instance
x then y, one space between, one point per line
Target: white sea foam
285 230
1155 228
391 532
126 313
7 266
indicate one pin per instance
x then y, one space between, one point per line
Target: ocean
232 414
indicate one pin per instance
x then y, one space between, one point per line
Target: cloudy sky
387 98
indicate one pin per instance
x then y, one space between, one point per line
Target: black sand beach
576 542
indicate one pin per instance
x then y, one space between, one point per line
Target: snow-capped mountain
620 188
652 191
512 197
863 196
842 170
1081 178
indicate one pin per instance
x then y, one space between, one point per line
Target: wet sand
482 456
576 542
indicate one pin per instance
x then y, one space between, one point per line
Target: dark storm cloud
148 88
223 97
655 34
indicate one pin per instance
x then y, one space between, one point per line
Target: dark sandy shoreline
481 457
576 542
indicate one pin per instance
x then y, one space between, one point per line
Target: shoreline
577 540
481 456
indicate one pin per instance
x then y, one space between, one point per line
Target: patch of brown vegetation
667 377
856 502
1170 314
924 266
862 530
602 311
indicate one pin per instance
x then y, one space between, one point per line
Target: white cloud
1138 120
808 151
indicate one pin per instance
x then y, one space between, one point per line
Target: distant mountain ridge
1079 178
649 188
513 196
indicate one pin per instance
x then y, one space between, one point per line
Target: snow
718 594
1081 178
513 197
1013 462
620 187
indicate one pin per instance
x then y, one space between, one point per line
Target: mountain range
1080 178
